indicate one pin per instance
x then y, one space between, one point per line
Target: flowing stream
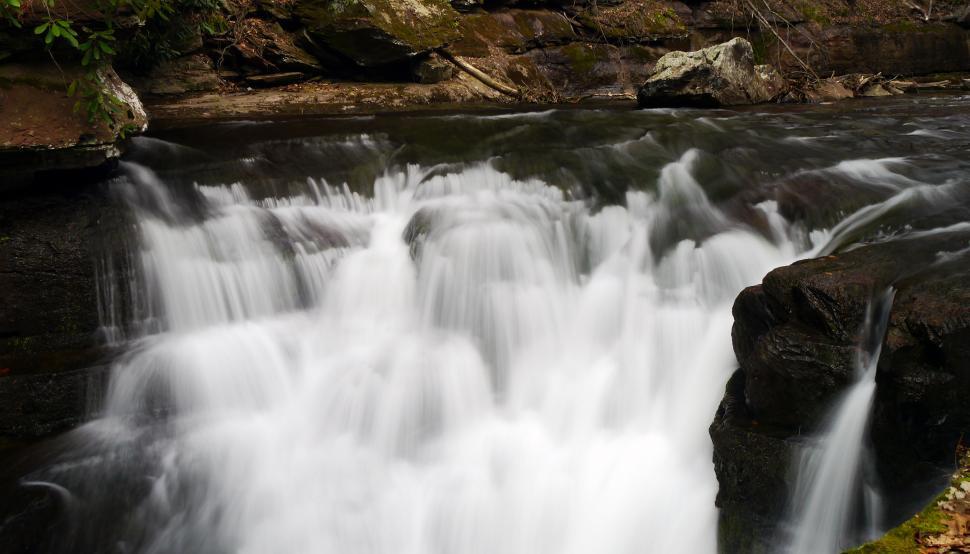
462 362
829 487
459 334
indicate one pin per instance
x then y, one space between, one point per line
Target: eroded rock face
722 75
40 129
377 32
795 337
51 352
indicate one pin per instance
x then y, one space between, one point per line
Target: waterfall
458 362
828 486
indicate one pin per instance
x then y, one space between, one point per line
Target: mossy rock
936 527
378 32
482 31
633 21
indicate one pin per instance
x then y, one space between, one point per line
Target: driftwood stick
767 24
479 74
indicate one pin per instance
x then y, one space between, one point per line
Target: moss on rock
633 21
936 526
376 32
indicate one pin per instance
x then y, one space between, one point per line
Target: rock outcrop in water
50 349
40 129
721 75
795 335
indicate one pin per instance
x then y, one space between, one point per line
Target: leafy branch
95 47
10 11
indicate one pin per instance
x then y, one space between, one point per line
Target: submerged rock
722 75
377 32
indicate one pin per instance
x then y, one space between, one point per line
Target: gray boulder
721 75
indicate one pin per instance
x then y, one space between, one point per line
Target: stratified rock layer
41 130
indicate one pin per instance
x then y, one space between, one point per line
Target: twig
764 21
478 74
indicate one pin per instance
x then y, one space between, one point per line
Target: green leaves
96 48
97 45
10 10
93 99
57 28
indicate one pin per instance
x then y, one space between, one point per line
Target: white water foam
828 489
526 377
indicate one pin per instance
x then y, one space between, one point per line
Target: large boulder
795 337
721 75
377 32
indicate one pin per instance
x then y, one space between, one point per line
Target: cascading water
513 344
461 363
828 488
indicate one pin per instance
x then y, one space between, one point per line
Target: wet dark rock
467 6
795 337
40 405
721 75
50 245
752 467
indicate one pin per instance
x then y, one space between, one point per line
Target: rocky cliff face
51 349
795 336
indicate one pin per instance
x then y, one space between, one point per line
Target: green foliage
902 539
94 101
155 39
9 10
163 38
812 12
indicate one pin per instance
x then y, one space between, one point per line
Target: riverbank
257 59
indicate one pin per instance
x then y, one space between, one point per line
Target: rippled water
461 333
